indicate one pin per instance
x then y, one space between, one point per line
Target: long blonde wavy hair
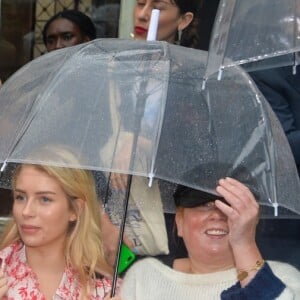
84 247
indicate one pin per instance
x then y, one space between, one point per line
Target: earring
132 35
179 35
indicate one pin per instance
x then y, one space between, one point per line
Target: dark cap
208 175
188 197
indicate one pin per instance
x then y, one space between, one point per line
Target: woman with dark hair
68 28
177 21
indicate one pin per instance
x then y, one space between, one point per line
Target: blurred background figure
282 90
177 21
68 28
106 19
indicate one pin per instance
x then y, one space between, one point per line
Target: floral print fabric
23 283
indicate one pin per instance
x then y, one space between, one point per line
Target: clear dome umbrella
138 108
257 34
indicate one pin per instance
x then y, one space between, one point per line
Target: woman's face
63 33
170 19
40 209
204 230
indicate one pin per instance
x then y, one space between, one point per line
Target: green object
127 257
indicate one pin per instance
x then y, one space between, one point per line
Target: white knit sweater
149 279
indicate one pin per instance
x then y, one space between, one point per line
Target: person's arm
263 286
110 236
256 279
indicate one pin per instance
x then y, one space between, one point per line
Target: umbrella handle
121 235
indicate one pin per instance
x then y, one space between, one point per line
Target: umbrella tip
151 177
220 73
203 84
3 166
275 205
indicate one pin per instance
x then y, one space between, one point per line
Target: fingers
241 211
238 196
3 284
118 181
129 243
226 209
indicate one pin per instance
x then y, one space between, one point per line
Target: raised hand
242 211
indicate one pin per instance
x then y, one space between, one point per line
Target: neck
214 266
45 258
195 265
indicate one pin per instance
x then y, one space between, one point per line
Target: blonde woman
52 249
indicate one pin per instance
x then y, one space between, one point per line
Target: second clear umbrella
257 34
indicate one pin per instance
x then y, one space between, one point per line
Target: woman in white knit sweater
223 260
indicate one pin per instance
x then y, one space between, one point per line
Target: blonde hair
84 247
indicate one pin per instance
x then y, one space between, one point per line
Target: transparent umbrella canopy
138 108
257 34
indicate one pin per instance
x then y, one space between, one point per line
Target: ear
185 20
79 206
178 220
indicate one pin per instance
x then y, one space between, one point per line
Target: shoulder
148 262
146 268
281 267
7 253
272 74
287 273
277 79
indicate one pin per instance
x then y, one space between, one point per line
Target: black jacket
282 90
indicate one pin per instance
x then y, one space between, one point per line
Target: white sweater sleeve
290 276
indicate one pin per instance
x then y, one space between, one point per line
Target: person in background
177 25
53 249
177 21
68 28
281 89
223 259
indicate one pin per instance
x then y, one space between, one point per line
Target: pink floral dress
23 283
